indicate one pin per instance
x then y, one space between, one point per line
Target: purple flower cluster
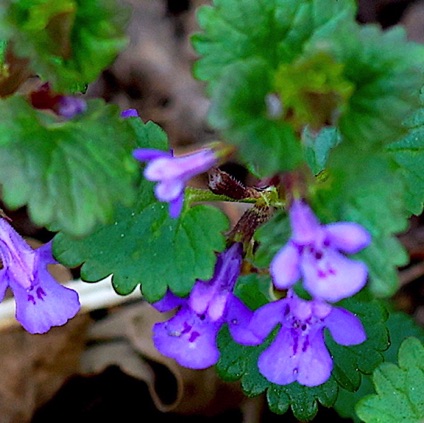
315 254
41 302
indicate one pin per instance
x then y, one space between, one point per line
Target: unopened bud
222 183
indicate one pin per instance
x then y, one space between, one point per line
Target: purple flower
315 252
129 113
69 106
173 173
189 336
298 352
41 302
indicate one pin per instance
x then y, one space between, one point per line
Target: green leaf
70 174
400 389
400 326
365 81
319 146
4 69
386 71
242 114
271 30
145 246
3 47
384 256
312 89
408 153
69 42
303 400
234 57
254 290
148 135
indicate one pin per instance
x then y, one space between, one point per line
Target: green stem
197 194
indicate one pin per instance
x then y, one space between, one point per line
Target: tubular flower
316 253
41 302
172 173
298 352
189 336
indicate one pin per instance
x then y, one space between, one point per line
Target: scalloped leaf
400 389
242 115
70 174
386 71
145 246
400 326
271 30
408 153
234 57
365 81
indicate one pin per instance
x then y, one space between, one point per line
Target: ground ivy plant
294 301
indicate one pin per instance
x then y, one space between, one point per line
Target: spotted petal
45 305
277 363
188 338
315 363
339 278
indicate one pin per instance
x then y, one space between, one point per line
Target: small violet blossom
172 173
315 252
41 302
129 113
298 352
69 106
190 335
